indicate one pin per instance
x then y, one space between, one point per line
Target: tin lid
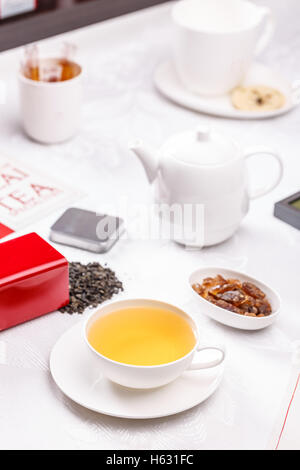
27 256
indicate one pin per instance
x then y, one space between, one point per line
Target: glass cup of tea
50 97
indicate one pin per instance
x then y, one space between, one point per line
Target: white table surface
120 104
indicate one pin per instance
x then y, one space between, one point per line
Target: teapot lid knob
203 132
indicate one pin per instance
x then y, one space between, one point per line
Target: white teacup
145 377
216 40
50 112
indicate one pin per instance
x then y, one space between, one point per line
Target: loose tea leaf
90 285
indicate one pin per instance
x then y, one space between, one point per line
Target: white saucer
73 374
168 84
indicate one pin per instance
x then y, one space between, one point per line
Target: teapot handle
253 151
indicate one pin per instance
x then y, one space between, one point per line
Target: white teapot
203 169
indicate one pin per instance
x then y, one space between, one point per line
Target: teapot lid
202 146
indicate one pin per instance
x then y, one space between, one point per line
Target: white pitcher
215 42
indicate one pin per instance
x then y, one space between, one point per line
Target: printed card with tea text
26 195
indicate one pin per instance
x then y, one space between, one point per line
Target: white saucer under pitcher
169 84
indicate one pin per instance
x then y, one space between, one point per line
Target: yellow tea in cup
51 70
142 336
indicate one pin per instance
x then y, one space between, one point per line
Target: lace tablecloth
121 103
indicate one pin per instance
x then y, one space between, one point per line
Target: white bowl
230 318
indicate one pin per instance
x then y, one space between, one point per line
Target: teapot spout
147 157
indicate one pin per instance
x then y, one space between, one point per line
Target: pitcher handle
267 32
265 151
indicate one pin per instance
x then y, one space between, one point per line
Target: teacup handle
207 365
251 152
267 33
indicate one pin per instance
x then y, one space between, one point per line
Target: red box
34 280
